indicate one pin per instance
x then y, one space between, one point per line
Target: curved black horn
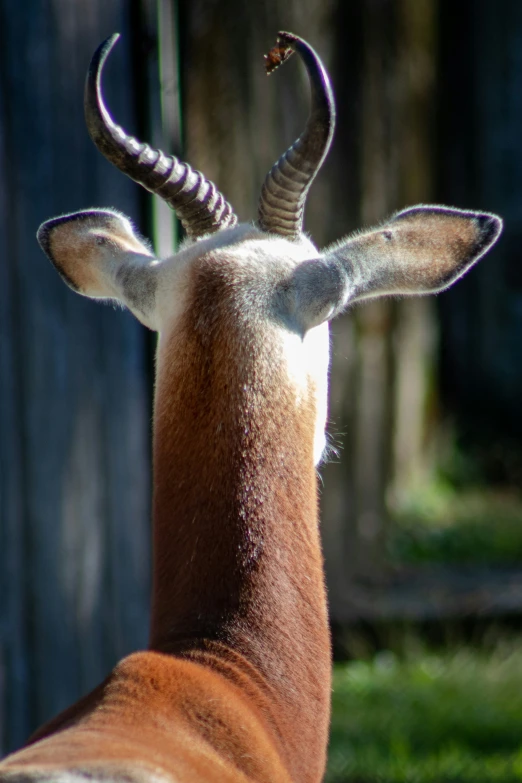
199 205
286 186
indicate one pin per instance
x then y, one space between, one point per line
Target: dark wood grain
479 124
74 396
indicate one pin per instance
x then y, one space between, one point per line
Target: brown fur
236 685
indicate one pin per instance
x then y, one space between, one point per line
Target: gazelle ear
99 255
420 250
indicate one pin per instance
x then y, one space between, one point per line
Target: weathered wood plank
76 414
384 76
14 663
479 123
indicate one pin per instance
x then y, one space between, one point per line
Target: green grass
471 526
437 719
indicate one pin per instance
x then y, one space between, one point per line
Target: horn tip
289 37
107 45
102 52
97 63
111 40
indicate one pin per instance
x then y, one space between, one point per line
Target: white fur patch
255 261
307 361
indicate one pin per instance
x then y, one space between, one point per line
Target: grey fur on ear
420 250
316 293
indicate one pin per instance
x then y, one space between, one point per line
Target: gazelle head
260 285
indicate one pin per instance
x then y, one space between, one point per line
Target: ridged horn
201 208
286 186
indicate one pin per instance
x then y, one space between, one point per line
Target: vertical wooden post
480 125
414 344
14 653
163 129
382 352
74 396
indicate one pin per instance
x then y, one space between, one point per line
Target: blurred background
422 496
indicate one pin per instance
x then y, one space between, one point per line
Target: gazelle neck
237 558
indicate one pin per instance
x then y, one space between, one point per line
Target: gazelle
235 685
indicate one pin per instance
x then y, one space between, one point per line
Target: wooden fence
75 377
74 388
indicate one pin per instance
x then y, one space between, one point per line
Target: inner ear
433 246
465 235
100 255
